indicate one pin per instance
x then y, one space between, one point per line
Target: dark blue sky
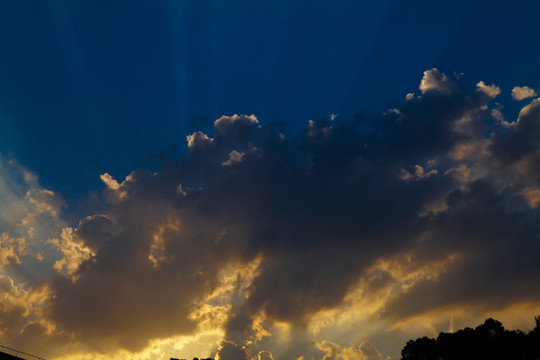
89 87
337 216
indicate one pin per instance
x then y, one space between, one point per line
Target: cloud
110 182
280 243
11 250
491 245
265 355
45 200
490 90
532 196
26 209
234 123
74 252
434 80
461 173
197 139
228 350
316 232
523 92
29 216
419 173
333 351
518 150
234 157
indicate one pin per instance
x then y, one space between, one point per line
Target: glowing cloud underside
340 244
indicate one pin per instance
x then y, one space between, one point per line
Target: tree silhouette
488 341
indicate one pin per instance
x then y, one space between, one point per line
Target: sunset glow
291 180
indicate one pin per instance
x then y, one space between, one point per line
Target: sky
249 180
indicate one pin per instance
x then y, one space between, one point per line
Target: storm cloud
431 205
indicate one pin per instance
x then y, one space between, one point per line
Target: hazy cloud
333 351
11 249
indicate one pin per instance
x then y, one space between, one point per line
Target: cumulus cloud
265 355
230 350
110 182
276 240
73 250
227 123
490 90
523 92
434 80
518 150
197 139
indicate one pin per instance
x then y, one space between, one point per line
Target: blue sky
97 86
313 178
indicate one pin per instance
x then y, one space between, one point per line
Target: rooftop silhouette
5 356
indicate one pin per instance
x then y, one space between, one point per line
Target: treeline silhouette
489 341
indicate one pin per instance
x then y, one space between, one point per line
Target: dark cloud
230 350
497 245
516 152
318 212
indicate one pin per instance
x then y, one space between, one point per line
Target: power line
21 352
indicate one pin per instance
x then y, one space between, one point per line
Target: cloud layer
274 241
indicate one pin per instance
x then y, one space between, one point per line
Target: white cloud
198 139
110 181
117 189
224 121
490 90
528 109
523 92
74 253
434 80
